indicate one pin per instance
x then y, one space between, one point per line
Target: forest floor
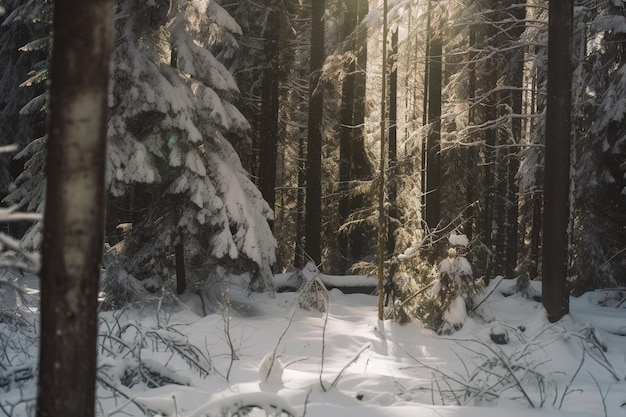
265 356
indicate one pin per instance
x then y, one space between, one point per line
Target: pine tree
23 41
600 172
172 111
24 52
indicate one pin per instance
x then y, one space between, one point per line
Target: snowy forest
418 164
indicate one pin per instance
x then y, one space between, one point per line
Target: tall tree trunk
508 215
433 163
512 157
424 144
489 113
361 167
346 132
75 206
393 145
471 161
313 222
269 107
382 232
299 255
556 212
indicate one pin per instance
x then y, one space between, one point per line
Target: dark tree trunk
472 165
361 164
269 107
313 222
75 206
555 296
535 235
299 256
507 200
516 100
433 145
490 114
361 167
346 132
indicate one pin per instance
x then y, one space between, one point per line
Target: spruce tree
171 112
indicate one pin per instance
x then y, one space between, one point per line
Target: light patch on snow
271 369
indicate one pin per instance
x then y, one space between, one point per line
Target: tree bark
471 161
269 107
393 145
75 206
433 145
381 172
346 117
313 221
555 262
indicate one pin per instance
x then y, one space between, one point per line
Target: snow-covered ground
347 363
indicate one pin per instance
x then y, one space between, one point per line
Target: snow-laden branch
10 214
8 148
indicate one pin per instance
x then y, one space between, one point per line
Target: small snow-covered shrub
125 363
455 289
312 294
445 307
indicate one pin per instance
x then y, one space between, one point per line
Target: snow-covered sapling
455 286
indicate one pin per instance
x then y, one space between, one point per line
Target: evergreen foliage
600 195
171 112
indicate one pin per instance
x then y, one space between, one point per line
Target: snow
458 240
456 314
349 363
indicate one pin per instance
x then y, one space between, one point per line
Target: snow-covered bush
123 362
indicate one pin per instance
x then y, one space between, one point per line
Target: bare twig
569 384
602 395
323 348
350 362
225 311
282 335
487 296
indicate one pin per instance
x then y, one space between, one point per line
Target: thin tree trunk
555 262
269 107
433 162
393 145
313 222
181 276
299 256
361 167
74 216
468 228
535 235
346 132
381 179
516 99
489 112
424 144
